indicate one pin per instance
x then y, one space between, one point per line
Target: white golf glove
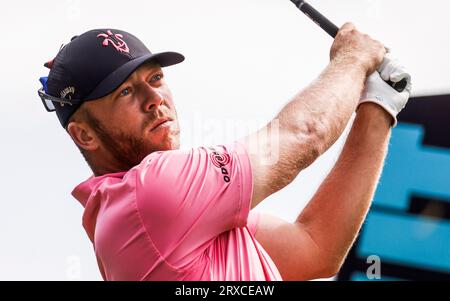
376 89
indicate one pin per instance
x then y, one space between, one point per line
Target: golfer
155 212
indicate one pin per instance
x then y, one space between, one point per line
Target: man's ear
83 136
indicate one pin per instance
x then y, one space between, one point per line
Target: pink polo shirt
178 215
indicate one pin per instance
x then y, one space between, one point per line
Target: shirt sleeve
187 198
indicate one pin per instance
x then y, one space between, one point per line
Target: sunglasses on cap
49 101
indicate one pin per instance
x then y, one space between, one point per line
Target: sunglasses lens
48 105
50 102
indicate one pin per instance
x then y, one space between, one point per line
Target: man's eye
125 92
157 77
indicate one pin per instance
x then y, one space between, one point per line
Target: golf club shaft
317 17
332 30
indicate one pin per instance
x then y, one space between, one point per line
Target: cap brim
115 79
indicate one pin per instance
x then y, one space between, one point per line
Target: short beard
126 150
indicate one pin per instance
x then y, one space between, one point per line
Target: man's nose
152 98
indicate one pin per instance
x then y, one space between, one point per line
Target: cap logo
66 92
115 40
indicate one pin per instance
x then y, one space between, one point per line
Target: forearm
336 212
315 118
321 111
305 127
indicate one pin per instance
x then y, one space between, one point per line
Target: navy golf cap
93 65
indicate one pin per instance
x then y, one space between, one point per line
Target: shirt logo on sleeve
220 160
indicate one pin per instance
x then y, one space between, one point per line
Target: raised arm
315 245
314 119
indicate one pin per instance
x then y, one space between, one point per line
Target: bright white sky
244 60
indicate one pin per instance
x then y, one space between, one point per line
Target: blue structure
408 225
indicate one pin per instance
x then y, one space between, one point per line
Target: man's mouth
161 123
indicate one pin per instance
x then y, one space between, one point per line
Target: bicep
292 249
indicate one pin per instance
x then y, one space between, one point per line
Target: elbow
311 138
331 270
332 266
320 271
326 271
329 264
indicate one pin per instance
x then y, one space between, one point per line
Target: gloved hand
376 89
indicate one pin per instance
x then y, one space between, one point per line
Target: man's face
136 119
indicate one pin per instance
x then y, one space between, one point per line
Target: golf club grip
332 30
398 86
317 17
